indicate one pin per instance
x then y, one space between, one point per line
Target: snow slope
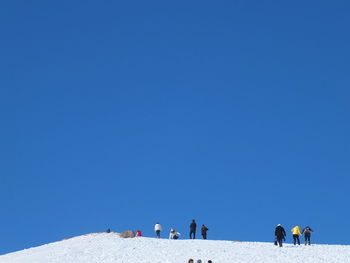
107 248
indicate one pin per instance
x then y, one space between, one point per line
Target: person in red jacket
138 233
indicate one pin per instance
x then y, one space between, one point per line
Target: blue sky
121 114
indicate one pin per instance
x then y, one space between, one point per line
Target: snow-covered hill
108 248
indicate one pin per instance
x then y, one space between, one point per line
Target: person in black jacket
280 234
307 234
193 227
204 231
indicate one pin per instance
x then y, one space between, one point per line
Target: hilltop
108 248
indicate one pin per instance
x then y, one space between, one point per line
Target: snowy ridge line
110 248
88 234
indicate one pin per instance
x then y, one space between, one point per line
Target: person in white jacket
158 229
174 234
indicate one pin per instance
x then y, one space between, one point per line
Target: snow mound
108 248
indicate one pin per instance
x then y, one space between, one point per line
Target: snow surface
107 248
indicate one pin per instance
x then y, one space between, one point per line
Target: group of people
280 235
175 235
198 261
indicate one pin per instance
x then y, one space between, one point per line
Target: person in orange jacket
296 233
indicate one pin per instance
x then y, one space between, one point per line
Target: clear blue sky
119 114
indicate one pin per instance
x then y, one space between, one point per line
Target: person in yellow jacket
296 233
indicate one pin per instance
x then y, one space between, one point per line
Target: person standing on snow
307 234
158 229
296 233
280 234
193 227
204 231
